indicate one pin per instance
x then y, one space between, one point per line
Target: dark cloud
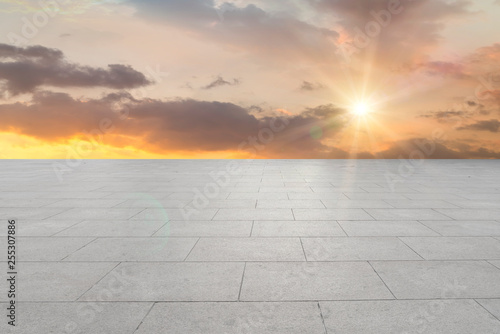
492 125
394 35
23 70
422 148
311 86
219 81
166 126
247 29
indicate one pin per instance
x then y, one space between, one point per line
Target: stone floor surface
263 246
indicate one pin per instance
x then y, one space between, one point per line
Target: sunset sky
250 79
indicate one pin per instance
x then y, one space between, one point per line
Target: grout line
95 284
382 280
191 250
399 238
242 278
303 250
147 313
342 228
322 318
251 230
88 243
481 305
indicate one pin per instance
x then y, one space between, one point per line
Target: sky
294 79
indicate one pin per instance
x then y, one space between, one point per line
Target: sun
361 109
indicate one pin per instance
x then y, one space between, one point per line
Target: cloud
248 30
166 126
23 70
311 86
422 148
221 82
492 125
446 116
396 35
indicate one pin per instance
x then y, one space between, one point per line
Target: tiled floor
275 246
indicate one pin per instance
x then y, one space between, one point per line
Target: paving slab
44 248
163 281
78 318
113 228
465 228
41 228
440 279
389 228
247 249
419 204
331 214
227 317
471 214
254 214
94 213
208 228
408 316
56 281
355 204
297 229
306 281
357 248
407 214
135 249
289 204
455 248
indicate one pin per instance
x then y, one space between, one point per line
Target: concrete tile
153 203
492 305
327 196
293 281
85 203
331 214
40 228
135 249
390 228
407 316
465 228
78 318
113 228
455 248
222 228
187 213
406 214
263 318
476 204
440 279
372 196
230 204
471 214
95 214
254 214
355 204
25 202
56 281
257 196
31 214
289 204
296 229
44 248
247 249
357 248
162 281
419 204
